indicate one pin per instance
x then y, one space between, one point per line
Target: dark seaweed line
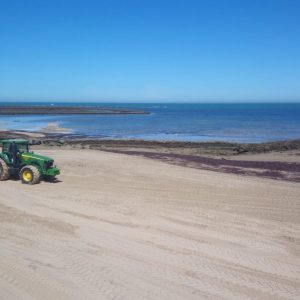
273 170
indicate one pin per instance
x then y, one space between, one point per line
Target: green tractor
16 158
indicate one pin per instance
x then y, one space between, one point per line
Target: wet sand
119 226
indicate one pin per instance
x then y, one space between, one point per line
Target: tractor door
14 153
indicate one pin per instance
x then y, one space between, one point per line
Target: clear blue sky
150 50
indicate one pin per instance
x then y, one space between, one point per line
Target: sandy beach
119 226
149 150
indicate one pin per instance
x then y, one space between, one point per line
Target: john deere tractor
16 158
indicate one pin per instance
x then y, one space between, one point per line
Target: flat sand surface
284 156
126 227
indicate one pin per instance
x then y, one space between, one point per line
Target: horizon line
149 101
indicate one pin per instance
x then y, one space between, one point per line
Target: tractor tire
30 175
4 171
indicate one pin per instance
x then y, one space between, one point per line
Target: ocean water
180 122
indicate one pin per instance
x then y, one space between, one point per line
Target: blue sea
181 122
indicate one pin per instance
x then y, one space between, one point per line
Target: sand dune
125 227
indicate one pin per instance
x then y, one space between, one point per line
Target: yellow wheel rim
27 176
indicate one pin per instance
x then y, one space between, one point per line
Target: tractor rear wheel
30 175
4 171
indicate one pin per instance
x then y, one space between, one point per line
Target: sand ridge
126 227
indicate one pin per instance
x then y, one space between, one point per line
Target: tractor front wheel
30 175
4 172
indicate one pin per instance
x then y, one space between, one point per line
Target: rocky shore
60 139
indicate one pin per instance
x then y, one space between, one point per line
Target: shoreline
60 137
275 160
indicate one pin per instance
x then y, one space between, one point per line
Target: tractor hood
28 155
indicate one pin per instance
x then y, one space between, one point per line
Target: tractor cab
13 148
16 158
22 145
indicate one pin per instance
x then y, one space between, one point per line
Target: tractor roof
17 141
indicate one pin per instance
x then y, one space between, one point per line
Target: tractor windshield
23 148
